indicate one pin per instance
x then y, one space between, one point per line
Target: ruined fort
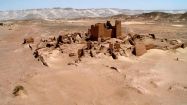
114 44
105 30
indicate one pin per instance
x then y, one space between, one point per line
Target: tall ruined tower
118 28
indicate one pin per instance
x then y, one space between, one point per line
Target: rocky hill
155 16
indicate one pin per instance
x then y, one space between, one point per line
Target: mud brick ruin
100 30
114 44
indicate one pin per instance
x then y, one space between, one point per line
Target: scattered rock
184 45
131 42
122 52
89 45
117 46
180 45
77 60
59 41
114 68
136 36
49 45
114 56
80 53
174 42
103 48
162 40
152 36
17 90
111 46
128 51
40 58
28 40
72 54
78 37
36 54
93 53
72 64
30 46
52 38
177 86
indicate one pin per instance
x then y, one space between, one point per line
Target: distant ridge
156 16
69 13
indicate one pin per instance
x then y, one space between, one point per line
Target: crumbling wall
94 32
99 30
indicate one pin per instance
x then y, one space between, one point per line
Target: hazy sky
124 4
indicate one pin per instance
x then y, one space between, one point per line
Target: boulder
139 49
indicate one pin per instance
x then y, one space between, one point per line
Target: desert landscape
56 62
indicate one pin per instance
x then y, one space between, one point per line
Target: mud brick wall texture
99 30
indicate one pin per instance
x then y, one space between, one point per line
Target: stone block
139 49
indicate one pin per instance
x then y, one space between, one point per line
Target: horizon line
93 8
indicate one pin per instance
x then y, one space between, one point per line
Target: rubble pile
128 45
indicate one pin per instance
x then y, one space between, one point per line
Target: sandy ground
156 78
